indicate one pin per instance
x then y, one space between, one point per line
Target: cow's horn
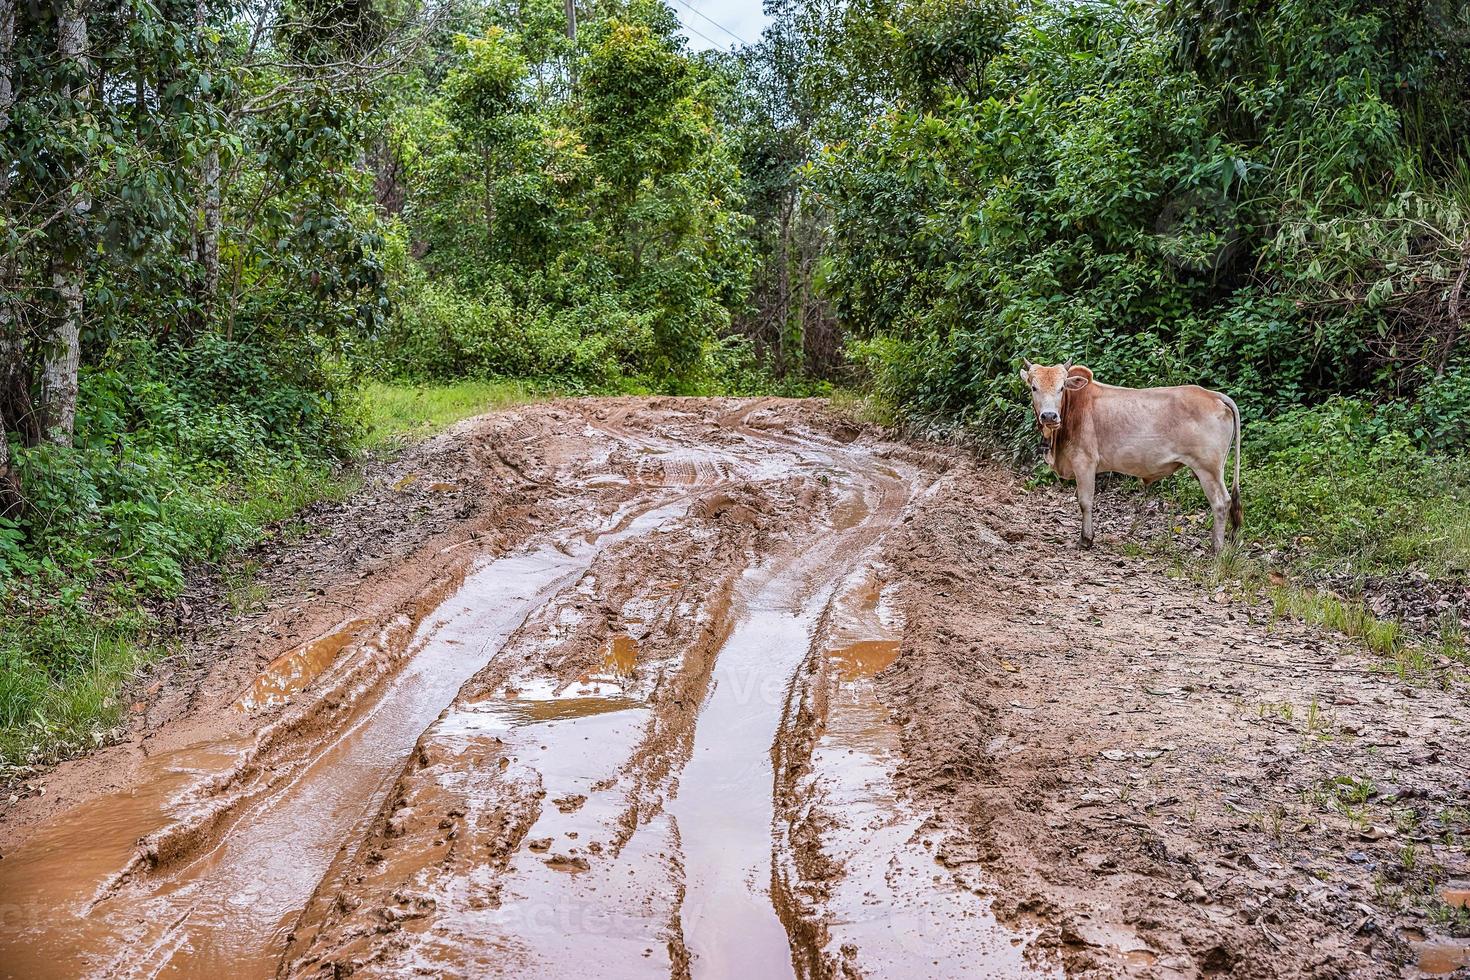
1026 363
1066 367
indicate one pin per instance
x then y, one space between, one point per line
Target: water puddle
863 659
619 657
544 699
894 906
293 670
1441 956
229 908
724 809
565 899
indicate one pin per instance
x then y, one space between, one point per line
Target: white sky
742 17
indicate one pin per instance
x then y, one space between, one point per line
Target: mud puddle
1438 957
291 672
858 874
244 856
560 898
724 808
526 837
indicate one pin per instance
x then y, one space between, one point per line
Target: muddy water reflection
894 908
724 809
1440 956
293 670
565 905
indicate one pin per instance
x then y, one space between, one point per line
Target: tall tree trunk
209 232
64 349
10 345
784 319
64 356
9 484
206 243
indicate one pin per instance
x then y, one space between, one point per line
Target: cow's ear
1026 375
1079 376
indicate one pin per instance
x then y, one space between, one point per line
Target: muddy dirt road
715 688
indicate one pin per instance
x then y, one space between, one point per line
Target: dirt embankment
672 687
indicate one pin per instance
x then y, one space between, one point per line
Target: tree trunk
209 232
206 244
63 360
9 484
10 346
784 319
13 402
63 355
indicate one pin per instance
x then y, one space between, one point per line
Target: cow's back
1151 432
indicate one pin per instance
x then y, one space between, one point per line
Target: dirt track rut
723 688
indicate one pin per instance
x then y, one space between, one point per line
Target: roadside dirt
673 687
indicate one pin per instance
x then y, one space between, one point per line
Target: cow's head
1049 386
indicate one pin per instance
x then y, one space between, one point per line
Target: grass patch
1351 618
1331 490
400 414
47 713
1235 572
863 406
72 633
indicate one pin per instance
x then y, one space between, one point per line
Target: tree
481 95
64 345
10 346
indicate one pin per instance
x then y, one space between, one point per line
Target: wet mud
720 688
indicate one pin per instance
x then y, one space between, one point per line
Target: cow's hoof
1084 544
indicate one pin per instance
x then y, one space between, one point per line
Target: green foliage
590 235
1091 196
1345 486
181 455
441 333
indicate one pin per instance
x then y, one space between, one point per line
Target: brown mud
676 687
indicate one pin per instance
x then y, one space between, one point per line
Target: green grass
1408 657
862 406
44 715
72 636
399 414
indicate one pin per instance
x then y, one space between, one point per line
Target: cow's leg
1086 482
1213 484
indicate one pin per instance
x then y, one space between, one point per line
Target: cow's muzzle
1049 432
1050 419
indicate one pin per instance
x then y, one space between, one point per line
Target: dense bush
1277 209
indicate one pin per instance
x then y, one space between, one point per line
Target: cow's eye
1034 388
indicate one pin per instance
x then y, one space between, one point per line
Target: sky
742 18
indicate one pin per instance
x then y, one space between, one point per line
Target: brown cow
1089 427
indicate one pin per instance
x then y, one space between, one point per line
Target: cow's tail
1237 512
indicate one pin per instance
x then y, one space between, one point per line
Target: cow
1088 427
